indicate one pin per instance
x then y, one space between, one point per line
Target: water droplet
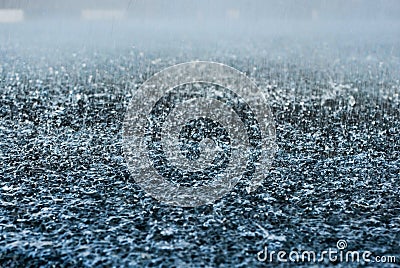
352 101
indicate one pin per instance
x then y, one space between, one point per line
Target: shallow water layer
67 198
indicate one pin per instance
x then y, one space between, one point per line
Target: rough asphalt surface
67 198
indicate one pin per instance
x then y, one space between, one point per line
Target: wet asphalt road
67 198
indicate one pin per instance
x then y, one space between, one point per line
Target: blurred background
208 18
206 10
252 26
